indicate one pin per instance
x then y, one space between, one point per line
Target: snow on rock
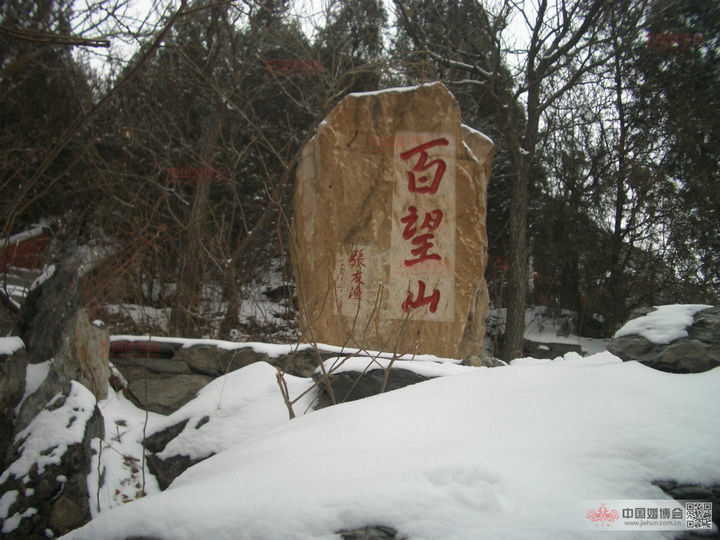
35 374
368 363
664 325
491 453
570 359
8 345
47 273
57 426
233 409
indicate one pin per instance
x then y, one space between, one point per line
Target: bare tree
560 51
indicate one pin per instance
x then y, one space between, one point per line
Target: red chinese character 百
421 300
422 166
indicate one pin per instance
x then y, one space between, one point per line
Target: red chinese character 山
421 299
422 241
420 185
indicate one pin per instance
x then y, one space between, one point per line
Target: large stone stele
390 245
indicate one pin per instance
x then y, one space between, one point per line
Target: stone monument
390 246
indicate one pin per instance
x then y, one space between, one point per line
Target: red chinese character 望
430 223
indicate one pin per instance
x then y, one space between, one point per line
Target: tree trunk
517 276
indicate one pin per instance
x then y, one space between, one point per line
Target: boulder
53 325
166 394
82 354
49 461
214 361
376 532
166 469
354 385
303 362
482 361
390 245
12 384
694 492
549 349
161 366
698 352
49 307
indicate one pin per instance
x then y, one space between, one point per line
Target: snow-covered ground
541 326
519 451
508 452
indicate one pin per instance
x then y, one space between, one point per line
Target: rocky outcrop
354 385
168 468
698 352
49 461
82 354
50 421
390 209
376 532
214 361
174 374
695 492
49 308
53 325
12 384
475 360
550 350
164 395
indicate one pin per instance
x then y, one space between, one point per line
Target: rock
142 348
683 356
549 350
633 347
82 354
49 460
390 209
354 385
53 384
66 515
706 326
168 394
53 325
215 361
163 366
157 442
166 469
302 363
695 492
698 352
482 361
376 532
48 308
12 385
